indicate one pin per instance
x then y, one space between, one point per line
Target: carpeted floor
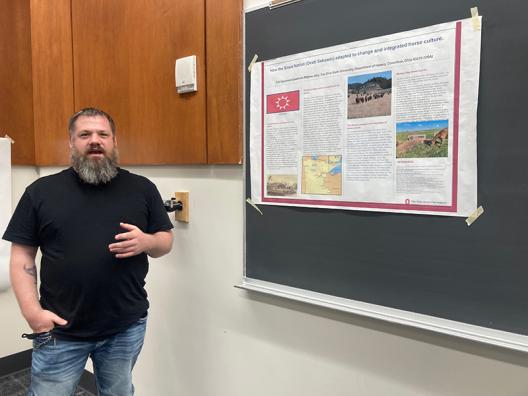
16 384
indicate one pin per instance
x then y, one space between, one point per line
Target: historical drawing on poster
384 124
282 185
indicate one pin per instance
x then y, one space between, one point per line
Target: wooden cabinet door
123 62
16 90
51 48
224 81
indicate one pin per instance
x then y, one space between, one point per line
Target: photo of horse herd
369 95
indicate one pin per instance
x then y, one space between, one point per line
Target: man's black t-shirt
73 223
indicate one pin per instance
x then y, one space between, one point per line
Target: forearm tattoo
32 270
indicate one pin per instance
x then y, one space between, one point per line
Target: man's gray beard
95 171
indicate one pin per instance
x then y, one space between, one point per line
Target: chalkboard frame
472 289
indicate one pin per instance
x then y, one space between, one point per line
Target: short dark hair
90 112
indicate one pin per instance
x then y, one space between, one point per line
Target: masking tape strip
10 138
252 62
475 215
249 201
475 18
279 3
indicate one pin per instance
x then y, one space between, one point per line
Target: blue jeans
57 365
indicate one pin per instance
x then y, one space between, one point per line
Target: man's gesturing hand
133 242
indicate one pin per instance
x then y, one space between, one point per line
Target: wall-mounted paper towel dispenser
185 73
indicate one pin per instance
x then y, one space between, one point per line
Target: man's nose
95 139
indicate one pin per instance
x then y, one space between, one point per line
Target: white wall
207 338
13 325
251 4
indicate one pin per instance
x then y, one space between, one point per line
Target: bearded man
95 224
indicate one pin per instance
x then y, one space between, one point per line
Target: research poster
5 209
383 124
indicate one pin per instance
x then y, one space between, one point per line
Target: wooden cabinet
16 90
119 55
52 80
124 63
224 81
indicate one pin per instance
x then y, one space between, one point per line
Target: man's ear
70 143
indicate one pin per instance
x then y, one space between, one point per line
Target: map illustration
322 174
